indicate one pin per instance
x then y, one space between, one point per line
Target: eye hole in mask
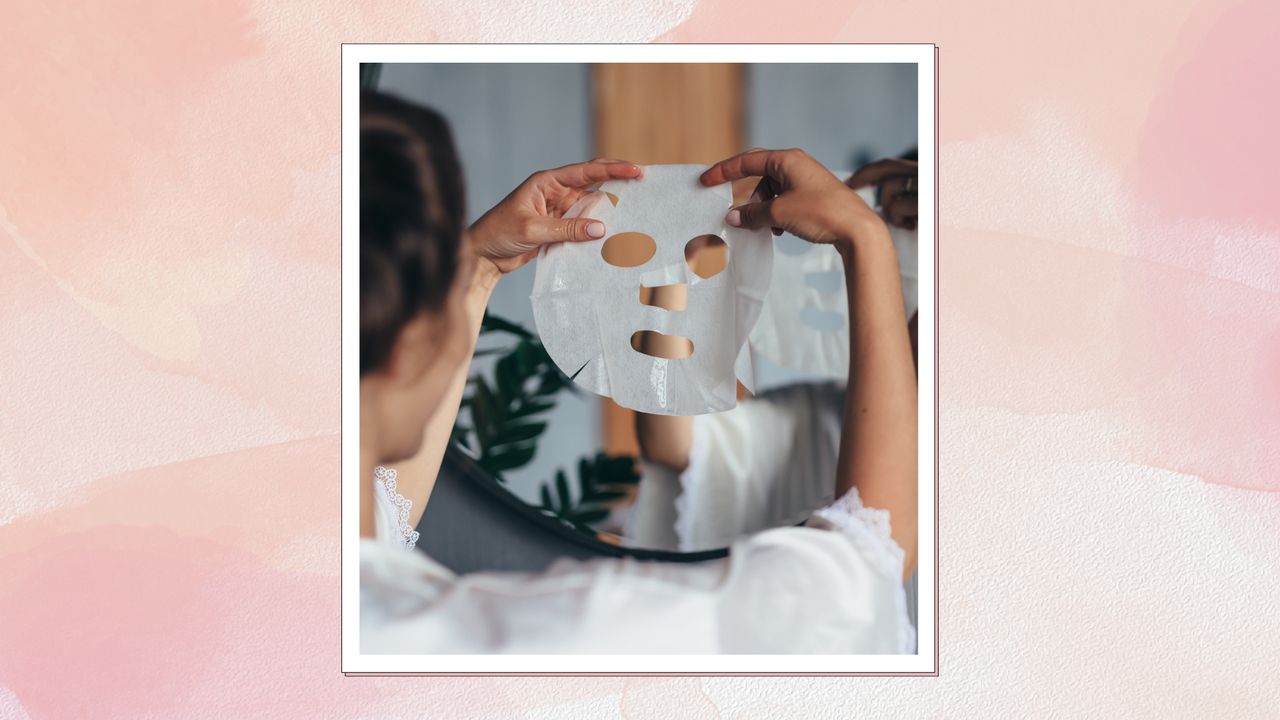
655 344
628 249
706 255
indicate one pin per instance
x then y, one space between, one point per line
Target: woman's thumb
752 215
553 230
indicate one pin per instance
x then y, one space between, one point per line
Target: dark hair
411 219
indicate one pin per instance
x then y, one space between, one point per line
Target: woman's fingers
903 212
766 189
879 171
752 215
580 175
753 162
543 230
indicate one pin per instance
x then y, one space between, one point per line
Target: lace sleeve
869 531
393 510
868 527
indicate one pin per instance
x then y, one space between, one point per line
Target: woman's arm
878 448
503 239
665 439
417 476
878 443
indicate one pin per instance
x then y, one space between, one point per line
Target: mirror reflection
661 482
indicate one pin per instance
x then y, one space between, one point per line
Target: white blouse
769 462
833 586
391 511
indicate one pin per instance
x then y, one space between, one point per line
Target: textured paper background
1110 359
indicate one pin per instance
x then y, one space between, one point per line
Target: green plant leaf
562 492
509 457
459 436
508 379
545 494
531 357
615 470
492 323
552 381
589 515
519 432
604 496
485 412
531 407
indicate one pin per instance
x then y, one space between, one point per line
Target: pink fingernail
734 218
595 229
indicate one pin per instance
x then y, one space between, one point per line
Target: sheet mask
804 324
588 310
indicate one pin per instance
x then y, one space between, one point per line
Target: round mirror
674 487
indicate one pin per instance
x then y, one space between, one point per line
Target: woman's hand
510 234
878 436
798 195
895 182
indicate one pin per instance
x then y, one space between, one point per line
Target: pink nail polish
734 218
595 229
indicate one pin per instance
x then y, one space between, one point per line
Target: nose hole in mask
667 297
823 320
825 281
706 255
655 344
628 249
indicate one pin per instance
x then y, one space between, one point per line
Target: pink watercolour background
1109 346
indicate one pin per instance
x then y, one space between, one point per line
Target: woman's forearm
417 476
878 453
665 439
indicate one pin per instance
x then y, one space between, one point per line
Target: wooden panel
663 113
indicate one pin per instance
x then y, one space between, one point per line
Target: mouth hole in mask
823 320
628 249
668 297
706 255
667 347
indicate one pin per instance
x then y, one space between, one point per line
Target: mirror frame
457 460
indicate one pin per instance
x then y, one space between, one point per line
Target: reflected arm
664 439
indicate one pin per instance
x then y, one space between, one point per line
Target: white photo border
925 661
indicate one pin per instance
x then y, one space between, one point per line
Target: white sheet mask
587 310
804 324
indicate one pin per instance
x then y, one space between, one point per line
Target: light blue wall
843 115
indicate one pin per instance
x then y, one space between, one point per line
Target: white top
391 511
769 462
834 586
